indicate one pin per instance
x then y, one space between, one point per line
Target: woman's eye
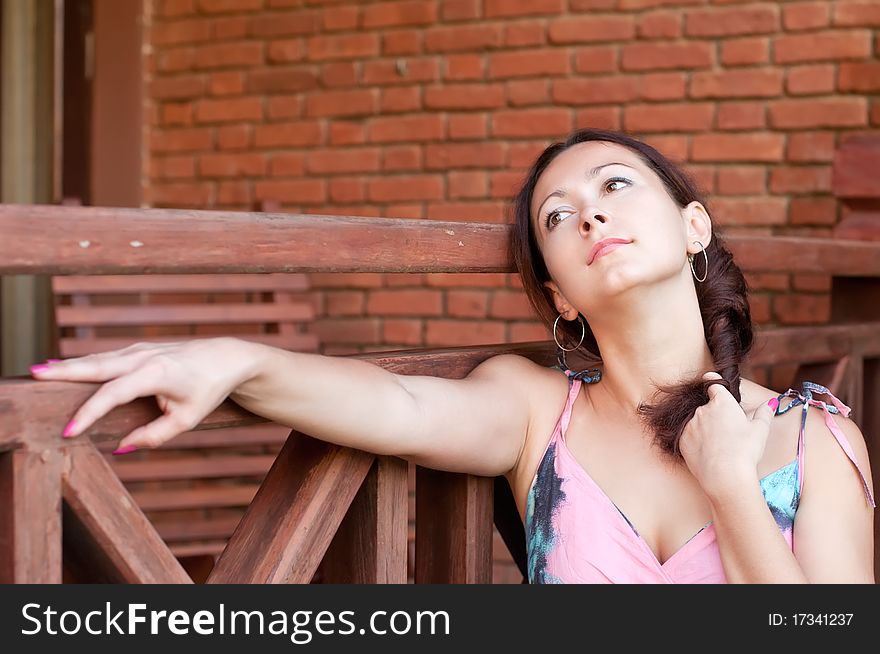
616 179
555 212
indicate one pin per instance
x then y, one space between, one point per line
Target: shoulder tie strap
806 399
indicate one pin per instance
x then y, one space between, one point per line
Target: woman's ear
698 225
562 305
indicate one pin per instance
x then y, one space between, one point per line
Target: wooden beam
117 527
287 528
30 522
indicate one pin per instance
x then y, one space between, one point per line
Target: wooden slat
201 529
214 548
30 517
193 468
117 526
98 241
75 347
291 522
195 498
370 546
113 284
265 434
454 543
181 314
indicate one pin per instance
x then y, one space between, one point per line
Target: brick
672 146
800 179
404 210
599 117
234 137
510 305
505 184
229 110
862 77
464 96
659 25
524 332
767 281
340 74
178 87
287 164
702 176
406 188
524 35
280 107
822 46
397 14
226 83
463 67
472 211
182 140
761 19
394 129
802 309
462 38
454 10
343 160
737 83
227 6
344 303
347 46
190 195
737 147
176 8
749 211
405 302
399 100
300 23
347 189
347 330
856 14
177 113
451 333
532 123
805 16
402 158
466 303
472 184
811 80
596 59
180 31
686 117
225 55
236 194
812 282
591 29
745 52
341 18
402 43
177 167
528 63
592 5
409 71
358 102
657 56
405 331
522 155
295 133
468 126
231 28
627 5
595 90
528 92
813 211
742 180
465 155
759 308
461 280
232 165
175 60
293 191
813 112
281 80
281 52
347 133
810 146
508 9
741 115
346 280
662 86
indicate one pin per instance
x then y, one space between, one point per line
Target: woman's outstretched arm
477 424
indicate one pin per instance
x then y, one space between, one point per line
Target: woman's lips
607 248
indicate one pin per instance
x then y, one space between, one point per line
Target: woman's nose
590 216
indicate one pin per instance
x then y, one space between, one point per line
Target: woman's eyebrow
559 193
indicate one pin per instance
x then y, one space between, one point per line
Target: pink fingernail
125 450
773 403
68 430
39 368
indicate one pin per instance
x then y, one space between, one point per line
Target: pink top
576 534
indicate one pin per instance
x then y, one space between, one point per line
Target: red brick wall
433 109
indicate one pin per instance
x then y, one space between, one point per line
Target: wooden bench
196 489
319 505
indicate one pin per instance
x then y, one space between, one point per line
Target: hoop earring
705 256
583 333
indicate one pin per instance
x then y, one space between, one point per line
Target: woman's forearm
336 399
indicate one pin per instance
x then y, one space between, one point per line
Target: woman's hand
721 445
189 379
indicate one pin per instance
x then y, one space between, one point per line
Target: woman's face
598 190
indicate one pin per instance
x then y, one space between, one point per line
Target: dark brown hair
723 296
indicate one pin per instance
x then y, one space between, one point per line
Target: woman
703 485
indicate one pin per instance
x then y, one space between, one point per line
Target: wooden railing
67 516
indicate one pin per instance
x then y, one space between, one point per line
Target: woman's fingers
109 396
95 367
154 433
